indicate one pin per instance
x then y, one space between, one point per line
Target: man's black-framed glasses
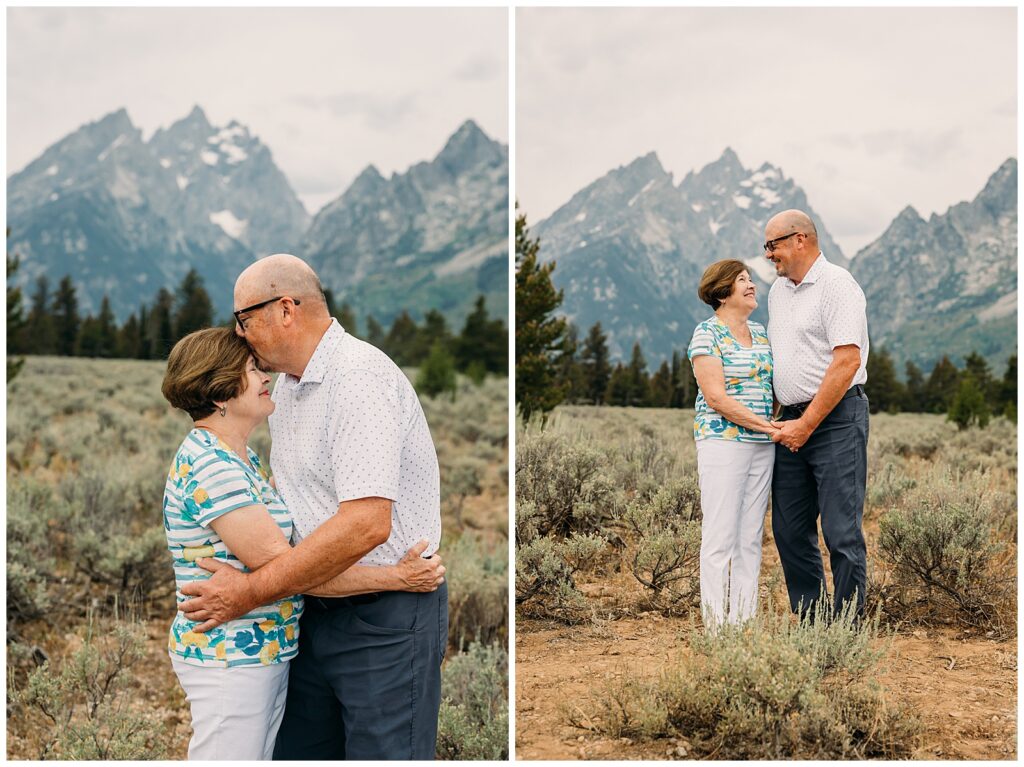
260 305
769 247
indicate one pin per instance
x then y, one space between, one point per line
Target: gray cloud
877 108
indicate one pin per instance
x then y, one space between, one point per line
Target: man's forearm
834 385
332 548
358 579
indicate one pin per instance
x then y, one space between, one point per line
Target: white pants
236 712
735 478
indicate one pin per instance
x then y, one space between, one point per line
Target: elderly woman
735 454
220 502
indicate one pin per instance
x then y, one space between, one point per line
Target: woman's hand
417 573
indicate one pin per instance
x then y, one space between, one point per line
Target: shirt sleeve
843 313
217 486
703 343
364 436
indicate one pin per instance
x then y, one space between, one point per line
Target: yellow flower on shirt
269 652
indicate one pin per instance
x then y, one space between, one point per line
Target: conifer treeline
54 325
553 366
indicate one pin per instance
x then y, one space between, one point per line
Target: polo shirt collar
317 366
813 274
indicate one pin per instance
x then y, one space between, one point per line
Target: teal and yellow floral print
748 378
207 480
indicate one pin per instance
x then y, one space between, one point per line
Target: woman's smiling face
744 293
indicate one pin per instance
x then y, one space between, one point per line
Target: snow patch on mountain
226 220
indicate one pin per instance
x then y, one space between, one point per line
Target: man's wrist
259 593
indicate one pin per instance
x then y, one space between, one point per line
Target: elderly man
354 461
819 336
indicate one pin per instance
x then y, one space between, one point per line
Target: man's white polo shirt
352 427
807 321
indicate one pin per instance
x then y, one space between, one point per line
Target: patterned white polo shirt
807 321
351 428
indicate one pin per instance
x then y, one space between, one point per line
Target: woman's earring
223 411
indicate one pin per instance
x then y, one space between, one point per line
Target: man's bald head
278 275
789 221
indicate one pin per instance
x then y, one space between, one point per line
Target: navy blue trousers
366 683
825 478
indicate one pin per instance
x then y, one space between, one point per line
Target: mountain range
631 247
124 217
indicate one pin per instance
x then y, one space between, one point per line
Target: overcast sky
867 109
328 90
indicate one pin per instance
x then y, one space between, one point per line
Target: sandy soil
961 683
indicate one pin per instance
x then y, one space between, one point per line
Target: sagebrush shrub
766 689
664 553
83 702
941 553
477 577
565 482
473 720
545 566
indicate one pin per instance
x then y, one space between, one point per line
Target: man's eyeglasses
254 307
769 247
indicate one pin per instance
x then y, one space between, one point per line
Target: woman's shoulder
710 325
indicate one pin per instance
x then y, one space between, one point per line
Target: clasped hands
793 434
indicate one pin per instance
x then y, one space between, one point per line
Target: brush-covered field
611 658
90 590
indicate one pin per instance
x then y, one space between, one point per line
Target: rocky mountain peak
468 147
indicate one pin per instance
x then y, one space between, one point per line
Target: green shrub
30 553
941 553
665 549
565 483
477 592
545 567
473 721
768 689
84 704
437 375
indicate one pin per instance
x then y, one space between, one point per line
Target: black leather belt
855 391
324 604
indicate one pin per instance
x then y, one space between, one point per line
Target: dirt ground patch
961 683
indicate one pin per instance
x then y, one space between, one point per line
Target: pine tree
538 332
159 330
885 392
569 371
39 335
437 374
98 335
969 405
347 319
915 399
194 308
661 386
942 386
434 330
482 339
977 366
597 369
129 339
374 332
400 343
144 350
65 318
15 320
639 387
1008 390
619 388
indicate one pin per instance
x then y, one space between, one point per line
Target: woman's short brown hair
716 284
206 367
